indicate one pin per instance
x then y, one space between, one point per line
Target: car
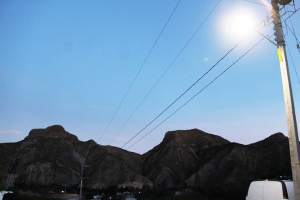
271 190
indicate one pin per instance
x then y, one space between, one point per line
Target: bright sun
241 24
237 23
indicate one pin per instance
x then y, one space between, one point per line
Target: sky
112 70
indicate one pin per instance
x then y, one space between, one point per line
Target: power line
255 3
139 70
167 69
292 31
293 64
197 93
188 88
294 34
297 41
290 17
184 92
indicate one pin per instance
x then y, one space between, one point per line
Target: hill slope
52 156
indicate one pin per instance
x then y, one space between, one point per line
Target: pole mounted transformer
288 96
284 2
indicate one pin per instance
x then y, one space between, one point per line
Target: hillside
184 158
54 156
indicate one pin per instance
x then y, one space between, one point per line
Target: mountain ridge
184 158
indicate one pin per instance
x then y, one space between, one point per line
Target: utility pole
65 184
288 96
81 178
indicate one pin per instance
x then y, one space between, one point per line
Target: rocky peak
55 131
192 137
177 156
275 138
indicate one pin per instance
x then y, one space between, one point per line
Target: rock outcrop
53 156
226 171
177 156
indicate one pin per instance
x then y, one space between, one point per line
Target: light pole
65 184
288 96
82 166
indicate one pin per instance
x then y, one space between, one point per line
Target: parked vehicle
271 190
130 198
6 195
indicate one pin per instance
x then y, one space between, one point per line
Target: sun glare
241 24
236 23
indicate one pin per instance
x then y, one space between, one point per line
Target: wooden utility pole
288 96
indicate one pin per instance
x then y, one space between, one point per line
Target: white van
271 190
4 193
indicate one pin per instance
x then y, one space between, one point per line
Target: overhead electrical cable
167 69
255 3
297 41
139 70
293 64
184 92
197 93
293 30
187 89
297 45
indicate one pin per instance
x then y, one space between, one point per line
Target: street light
82 167
65 184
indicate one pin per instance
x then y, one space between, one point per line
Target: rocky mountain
184 158
54 156
226 171
177 156
220 168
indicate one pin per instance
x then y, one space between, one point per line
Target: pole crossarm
266 38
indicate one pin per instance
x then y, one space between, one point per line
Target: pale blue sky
72 62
